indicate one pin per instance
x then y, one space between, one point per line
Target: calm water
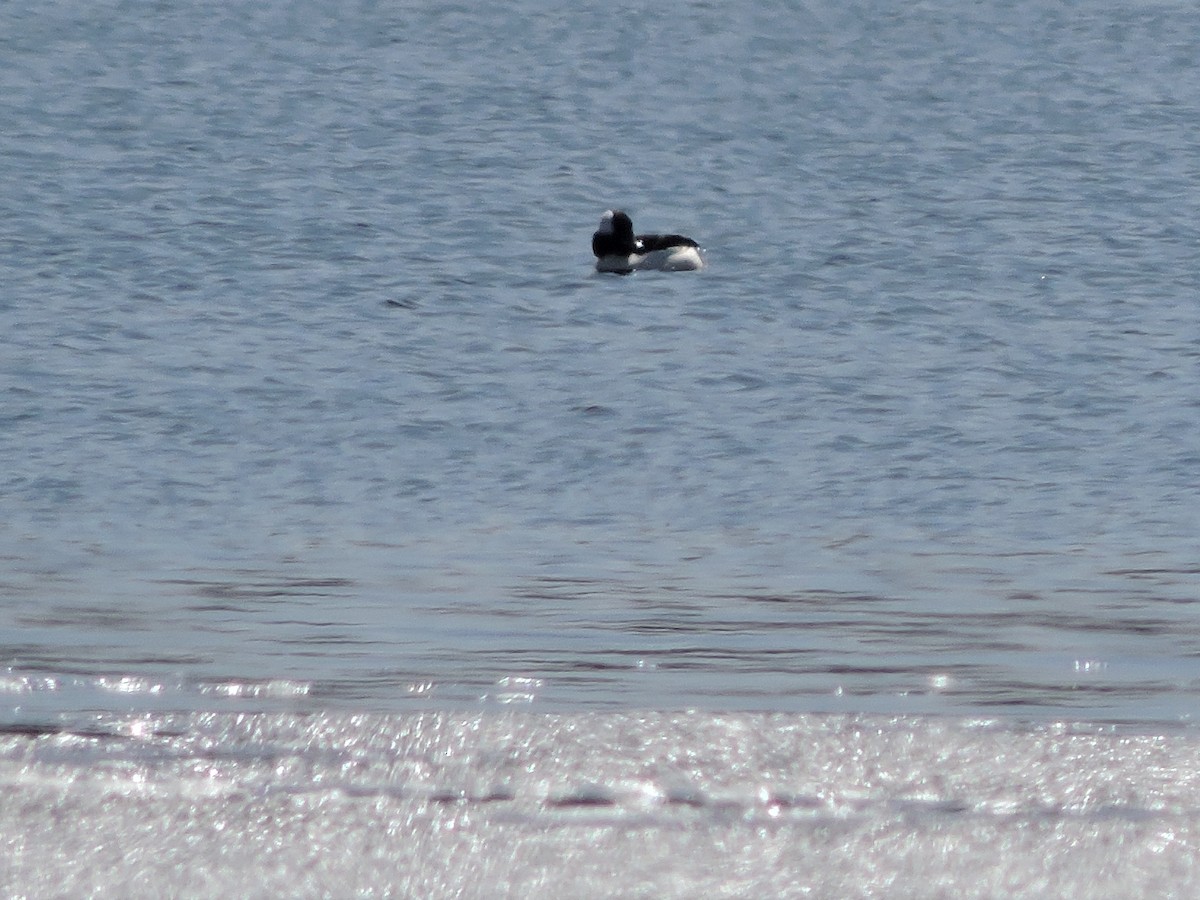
310 393
311 406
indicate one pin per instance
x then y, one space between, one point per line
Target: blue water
309 396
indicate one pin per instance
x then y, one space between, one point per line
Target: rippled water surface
311 397
357 538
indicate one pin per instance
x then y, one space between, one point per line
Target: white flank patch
673 259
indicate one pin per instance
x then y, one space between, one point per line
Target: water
651 805
313 407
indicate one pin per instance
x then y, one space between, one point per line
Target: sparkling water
314 409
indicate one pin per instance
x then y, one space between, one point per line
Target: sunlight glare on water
316 420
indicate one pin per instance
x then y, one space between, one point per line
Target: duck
619 250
